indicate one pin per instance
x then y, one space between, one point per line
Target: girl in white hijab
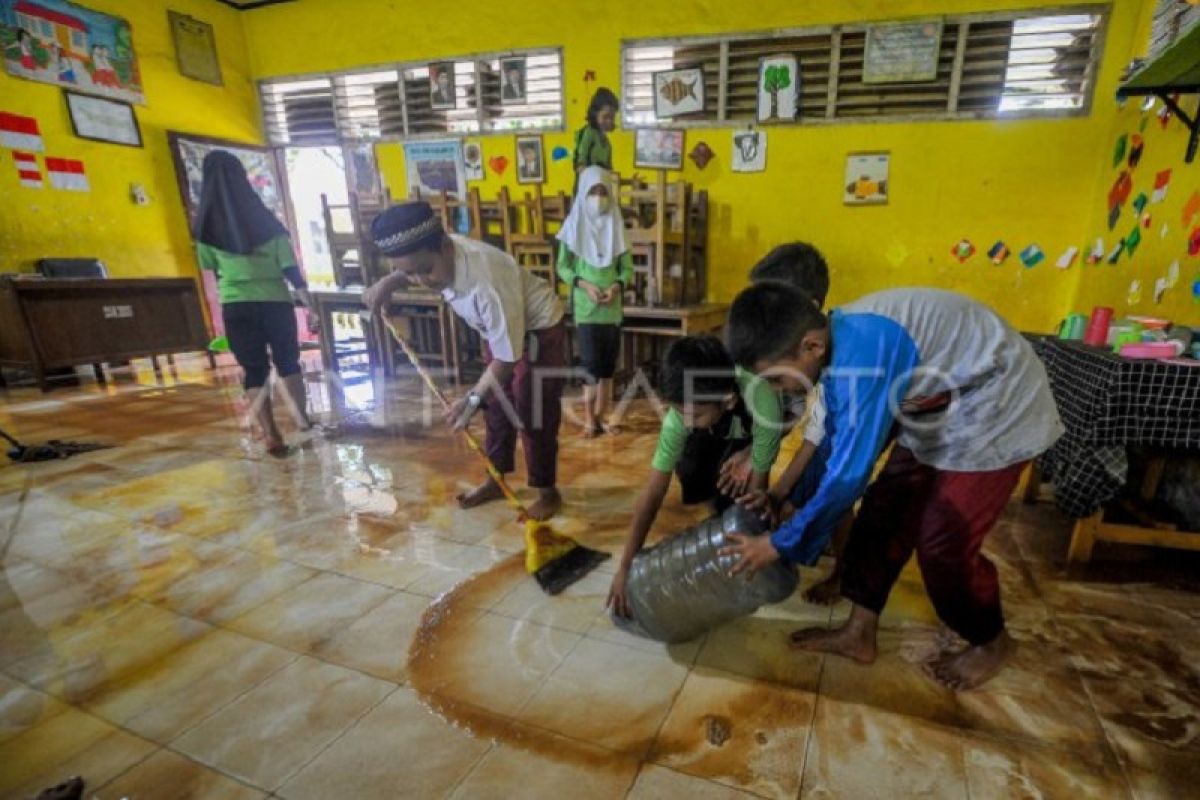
594 259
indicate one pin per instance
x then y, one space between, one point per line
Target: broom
554 560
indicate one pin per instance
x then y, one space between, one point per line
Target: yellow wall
1020 181
132 240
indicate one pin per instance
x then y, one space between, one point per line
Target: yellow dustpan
555 561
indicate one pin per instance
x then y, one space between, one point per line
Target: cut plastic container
681 587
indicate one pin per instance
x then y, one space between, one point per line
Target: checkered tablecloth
1108 403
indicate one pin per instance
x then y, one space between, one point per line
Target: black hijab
232 216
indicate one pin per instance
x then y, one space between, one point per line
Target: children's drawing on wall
473 161
531 160
441 85
54 41
658 149
963 250
678 92
866 179
702 155
749 151
778 88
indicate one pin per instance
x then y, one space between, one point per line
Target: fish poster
678 92
54 41
749 151
866 179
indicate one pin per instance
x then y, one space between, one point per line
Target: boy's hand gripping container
681 587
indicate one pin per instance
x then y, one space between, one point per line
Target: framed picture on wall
531 160
656 148
778 88
103 120
867 179
512 81
678 92
195 48
441 85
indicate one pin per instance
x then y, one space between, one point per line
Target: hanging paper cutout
1163 231
1068 257
1031 256
1135 151
1194 242
19 133
67 174
1148 103
1139 202
498 164
1120 190
1146 220
1164 117
1115 254
963 250
1172 276
1097 253
1161 181
998 253
1191 208
701 154
1135 293
1119 150
1160 288
559 153
1114 215
1132 240
27 169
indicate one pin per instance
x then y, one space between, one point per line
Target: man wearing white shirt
521 321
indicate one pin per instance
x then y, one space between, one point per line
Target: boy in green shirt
594 260
716 410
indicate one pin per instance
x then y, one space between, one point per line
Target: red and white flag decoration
19 133
27 169
68 174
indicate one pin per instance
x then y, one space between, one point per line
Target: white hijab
596 238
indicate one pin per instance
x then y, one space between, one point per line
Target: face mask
598 205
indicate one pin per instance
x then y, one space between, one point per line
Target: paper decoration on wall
589 75
1068 257
57 42
1133 240
1164 114
1097 252
1135 150
1196 289
963 250
749 151
998 253
678 92
1190 209
559 153
778 88
1120 190
473 161
1119 149
1114 214
1148 103
19 133
1031 256
498 164
701 154
867 181
1172 276
67 174
1160 288
1194 242
28 171
1135 293
1139 202
1161 181
1114 255
1163 231
1146 220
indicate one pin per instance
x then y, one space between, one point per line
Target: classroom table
1108 404
652 325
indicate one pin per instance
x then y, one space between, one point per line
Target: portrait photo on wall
512 80
441 84
658 149
531 161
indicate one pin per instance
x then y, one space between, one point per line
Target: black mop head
568 568
51 450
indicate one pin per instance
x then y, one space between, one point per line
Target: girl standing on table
240 240
592 147
594 260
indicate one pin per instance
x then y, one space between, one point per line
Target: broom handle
472 442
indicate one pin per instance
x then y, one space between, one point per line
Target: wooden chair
345 250
658 229
527 237
448 207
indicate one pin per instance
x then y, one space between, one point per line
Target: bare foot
844 641
974 666
546 506
485 492
825 593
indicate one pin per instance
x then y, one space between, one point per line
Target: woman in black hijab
240 240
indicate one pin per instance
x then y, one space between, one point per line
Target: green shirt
254 277
763 403
586 310
592 148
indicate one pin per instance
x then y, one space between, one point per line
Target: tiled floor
181 616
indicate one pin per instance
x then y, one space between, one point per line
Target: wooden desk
653 325
48 324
